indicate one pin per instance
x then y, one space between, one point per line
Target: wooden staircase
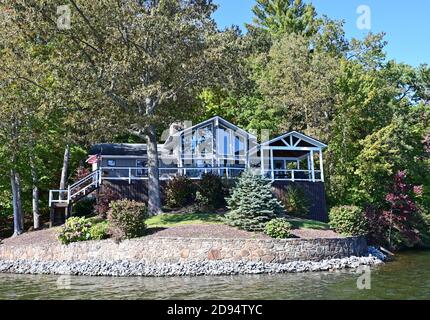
61 201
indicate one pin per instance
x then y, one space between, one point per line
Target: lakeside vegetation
293 70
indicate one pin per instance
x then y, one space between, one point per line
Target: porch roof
285 138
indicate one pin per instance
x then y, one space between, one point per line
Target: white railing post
292 175
321 166
68 194
312 166
50 198
129 175
272 164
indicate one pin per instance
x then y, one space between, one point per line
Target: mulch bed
217 231
314 233
40 237
207 231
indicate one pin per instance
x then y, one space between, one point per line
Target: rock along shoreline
215 268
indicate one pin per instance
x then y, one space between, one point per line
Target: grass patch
308 224
172 219
179 219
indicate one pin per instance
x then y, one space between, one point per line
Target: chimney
176 127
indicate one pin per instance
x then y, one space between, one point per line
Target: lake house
213 146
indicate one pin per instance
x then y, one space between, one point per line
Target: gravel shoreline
134 269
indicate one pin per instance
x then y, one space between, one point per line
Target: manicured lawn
308 224
171 220
174 219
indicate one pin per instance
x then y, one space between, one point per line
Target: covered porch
292 157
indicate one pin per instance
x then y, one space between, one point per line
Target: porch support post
246 149
261 161
272 165
312 166
321 166
51 216
179 148
215 146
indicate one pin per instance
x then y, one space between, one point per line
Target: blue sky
406 23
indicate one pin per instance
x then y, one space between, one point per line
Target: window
111 163
239 146
223 141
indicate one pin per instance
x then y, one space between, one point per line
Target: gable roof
119 149
298 135
220 120
216 118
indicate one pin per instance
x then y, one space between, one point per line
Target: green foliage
126 219
210 192
104 198
75 229
348 220
308 224
278 228
296 201
292 70
84 207
252 203
180 192
179 219
100 230
298 83
286 16
393 148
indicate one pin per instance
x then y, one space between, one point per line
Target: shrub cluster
210 192
100 230
75 229
180 192
348 220
278 228
104 199
82 229
296 201
126 219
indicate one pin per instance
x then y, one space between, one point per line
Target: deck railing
195 173
95 179
292 175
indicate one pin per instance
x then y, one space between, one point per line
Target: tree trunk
35 198
154 203
18 217
64 171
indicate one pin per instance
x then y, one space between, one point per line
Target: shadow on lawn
150 231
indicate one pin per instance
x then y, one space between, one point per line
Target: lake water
407 277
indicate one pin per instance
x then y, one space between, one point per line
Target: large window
239 145
197 146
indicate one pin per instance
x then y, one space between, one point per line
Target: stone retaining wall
180 250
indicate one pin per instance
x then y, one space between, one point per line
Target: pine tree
252 203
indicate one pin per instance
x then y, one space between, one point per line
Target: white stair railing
93 180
